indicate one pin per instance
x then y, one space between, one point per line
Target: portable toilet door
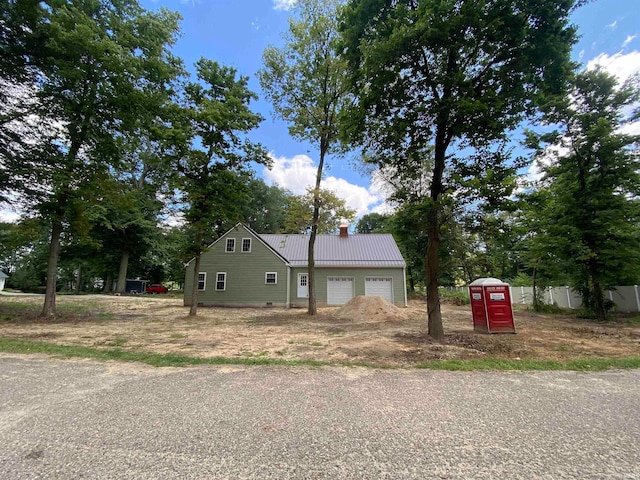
491 306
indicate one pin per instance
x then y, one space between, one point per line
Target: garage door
339 290
380 286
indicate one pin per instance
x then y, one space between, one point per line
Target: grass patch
579 364
17 345
177 335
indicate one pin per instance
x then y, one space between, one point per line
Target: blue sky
236 32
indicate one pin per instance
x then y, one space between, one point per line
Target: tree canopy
591 211
305 80
448 75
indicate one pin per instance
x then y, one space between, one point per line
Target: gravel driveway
80 419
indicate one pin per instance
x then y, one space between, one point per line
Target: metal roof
356 250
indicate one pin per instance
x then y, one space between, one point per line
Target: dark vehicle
157 288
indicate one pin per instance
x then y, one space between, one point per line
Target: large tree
265 212
214 164
591 199
305 80
451 75
100 63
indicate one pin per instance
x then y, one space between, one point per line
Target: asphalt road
80 419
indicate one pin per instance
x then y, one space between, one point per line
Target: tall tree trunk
311 266
78 280
597 293
193 310
432 264
432 260
122 273
49 308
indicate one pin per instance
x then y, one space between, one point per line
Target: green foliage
265 211
541 307
305 80
520 280
100 68
455 297
588 223
213 178
374 223
332 211
440 76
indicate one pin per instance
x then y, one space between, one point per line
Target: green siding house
246 269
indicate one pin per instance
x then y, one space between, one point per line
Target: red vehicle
157 288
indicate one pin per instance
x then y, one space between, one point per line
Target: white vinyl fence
626 299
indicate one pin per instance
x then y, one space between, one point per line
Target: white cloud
299 172
294 174
622 65
612 26
630 38
283 4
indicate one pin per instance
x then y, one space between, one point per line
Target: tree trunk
49 308
122 273
193 310
311 266
106 288
78 280
597 293
432 260
412 282
535 300
432 264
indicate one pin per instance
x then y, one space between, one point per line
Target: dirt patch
369 309
382 337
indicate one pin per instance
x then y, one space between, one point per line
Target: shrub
455 297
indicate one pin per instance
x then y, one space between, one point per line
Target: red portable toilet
491 306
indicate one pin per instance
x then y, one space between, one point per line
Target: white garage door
339 290
380 286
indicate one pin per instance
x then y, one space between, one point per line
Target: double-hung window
202 281
221 281
271 278
246 245
231 245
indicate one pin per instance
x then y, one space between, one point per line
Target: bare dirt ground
393 337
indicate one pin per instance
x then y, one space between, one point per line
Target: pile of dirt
369 309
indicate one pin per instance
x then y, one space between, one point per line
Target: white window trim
225 281
226 244
275 274
204 282
242 250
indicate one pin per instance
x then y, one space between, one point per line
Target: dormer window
246 245
231 245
